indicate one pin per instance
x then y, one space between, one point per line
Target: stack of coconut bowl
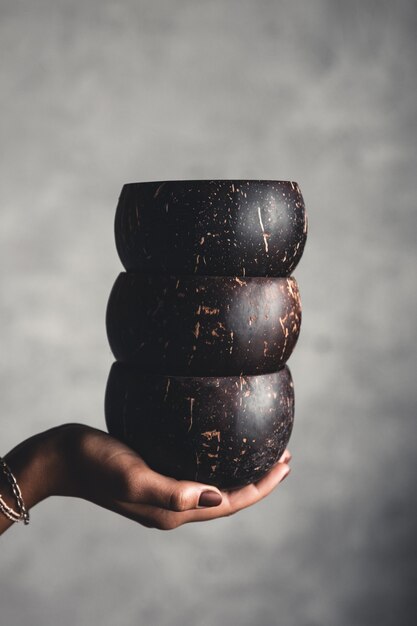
201 324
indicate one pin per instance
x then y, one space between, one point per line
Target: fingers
235 501
257 491
149 487
286 456
240 499
157 501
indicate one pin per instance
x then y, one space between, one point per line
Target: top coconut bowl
211 227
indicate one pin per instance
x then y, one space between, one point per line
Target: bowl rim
248 181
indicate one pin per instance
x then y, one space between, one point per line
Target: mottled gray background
100 93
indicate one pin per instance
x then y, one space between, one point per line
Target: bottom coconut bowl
226 431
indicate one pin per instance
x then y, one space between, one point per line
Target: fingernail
285 475
209 498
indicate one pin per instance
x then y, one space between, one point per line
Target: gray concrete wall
98 93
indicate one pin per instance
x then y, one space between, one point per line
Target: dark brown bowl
226 431
203 325
211 227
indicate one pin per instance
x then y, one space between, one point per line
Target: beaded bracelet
10 513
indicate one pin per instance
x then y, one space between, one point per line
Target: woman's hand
84 462
108 473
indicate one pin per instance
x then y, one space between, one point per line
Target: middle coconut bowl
203 325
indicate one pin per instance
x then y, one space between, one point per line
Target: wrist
33 464
43 466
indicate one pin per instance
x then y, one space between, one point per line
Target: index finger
232 502
240 499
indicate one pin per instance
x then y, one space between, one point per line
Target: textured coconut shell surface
223 431
203 325
211 227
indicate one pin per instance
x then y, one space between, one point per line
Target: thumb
175 495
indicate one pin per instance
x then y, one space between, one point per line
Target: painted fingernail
209 498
